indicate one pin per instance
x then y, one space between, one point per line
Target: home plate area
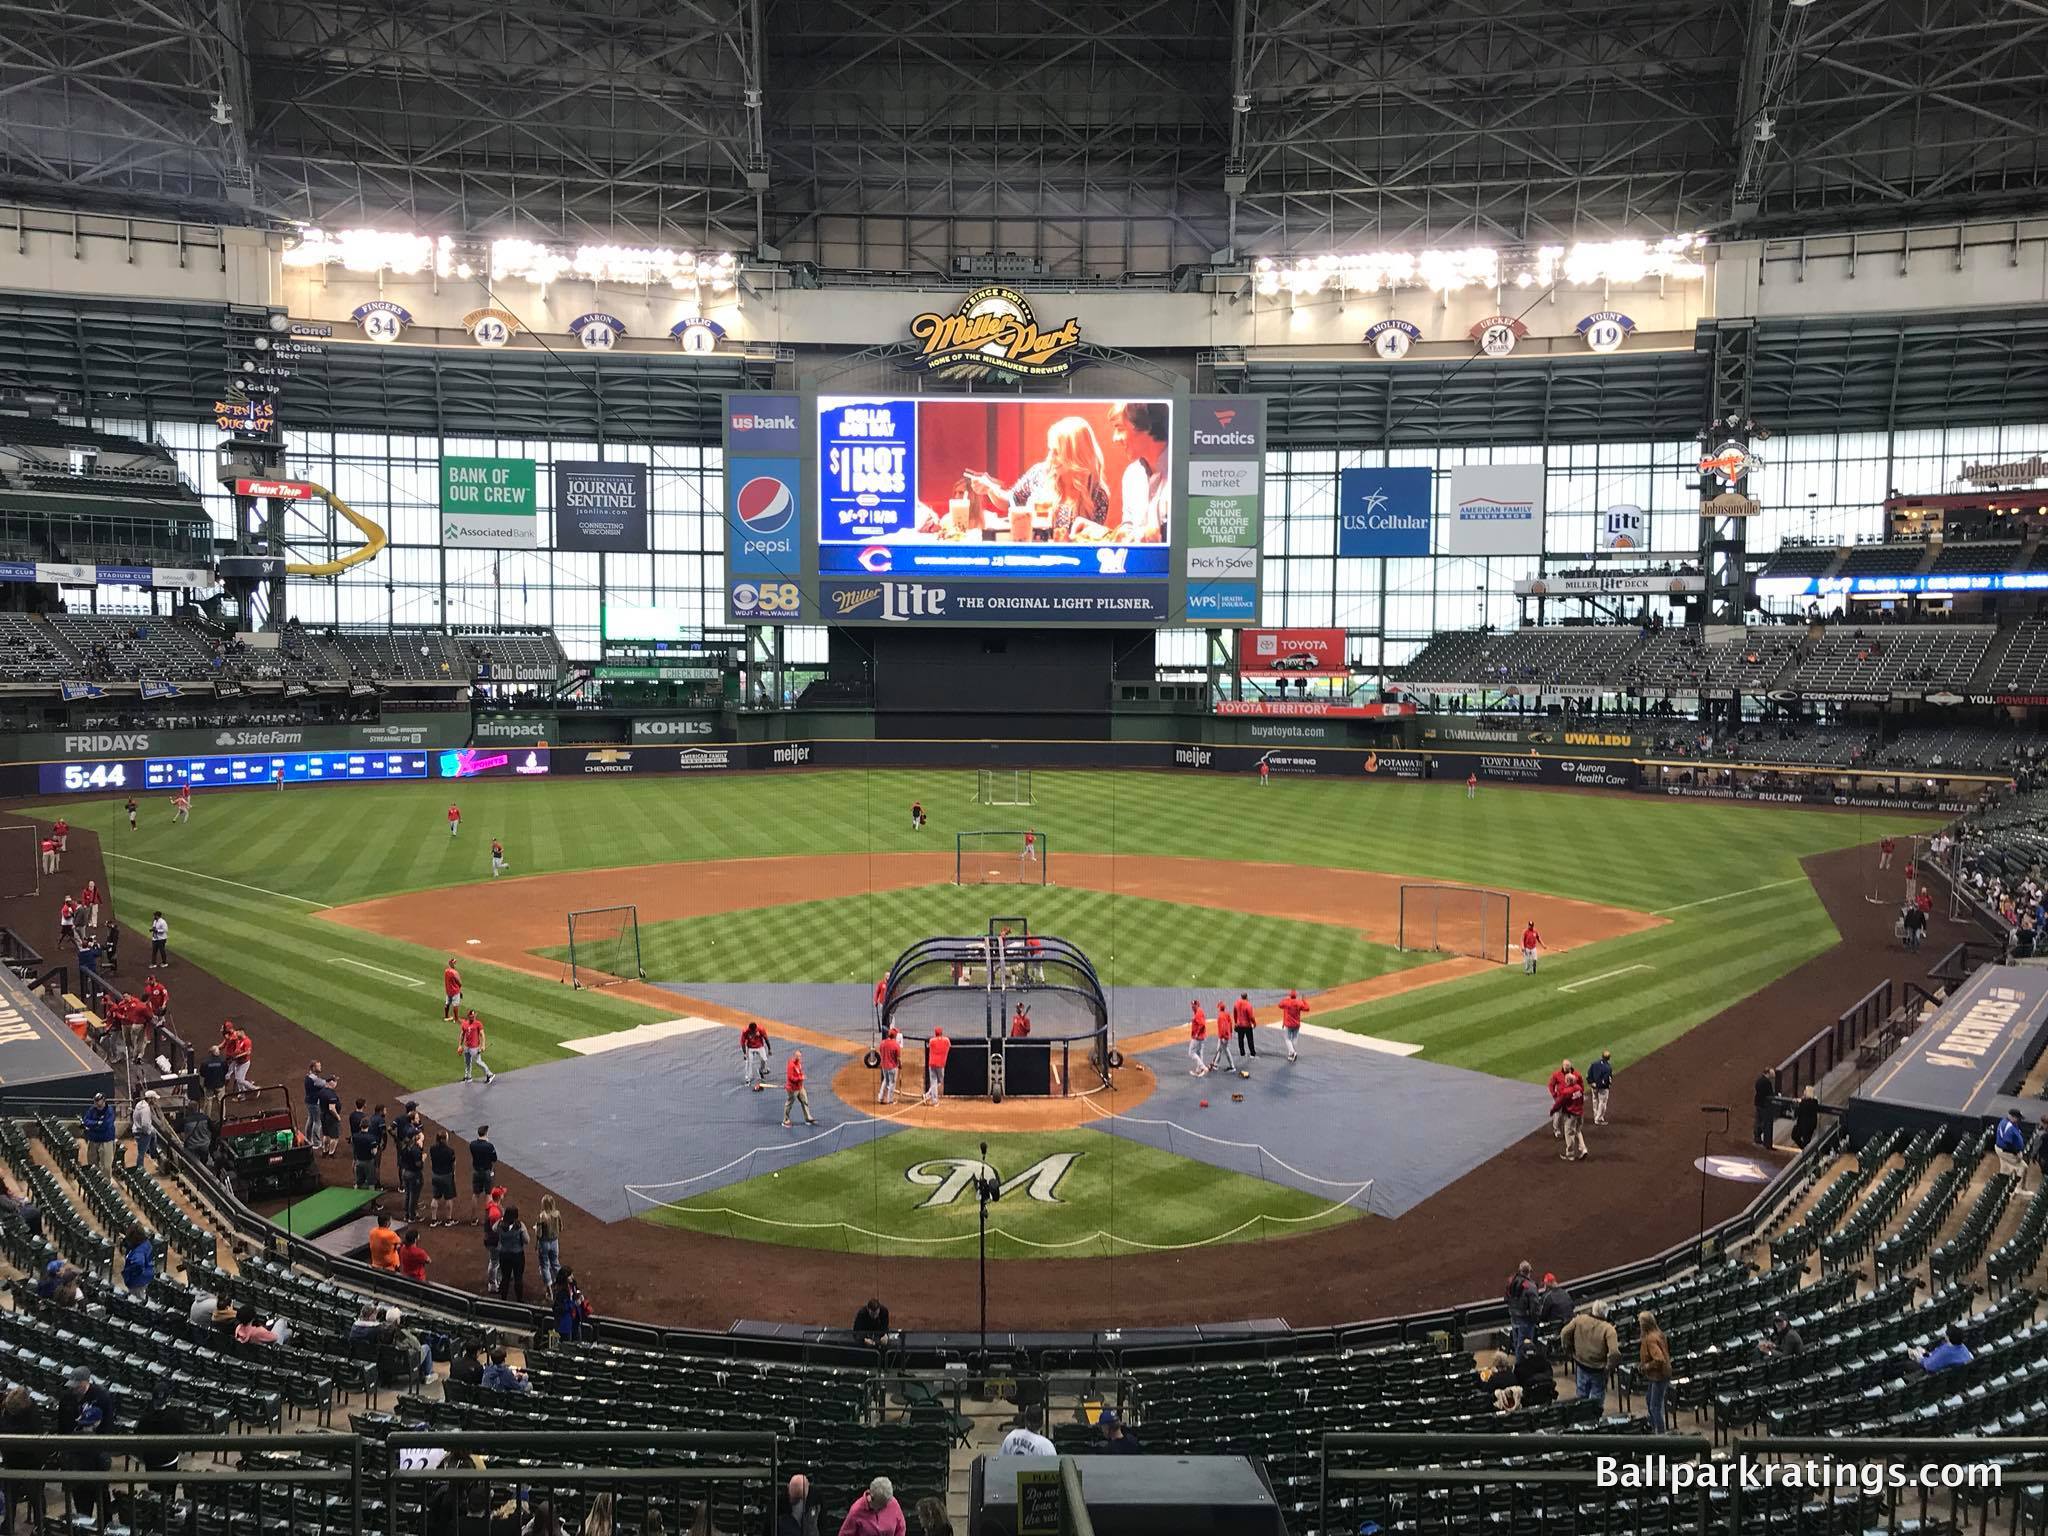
670 1114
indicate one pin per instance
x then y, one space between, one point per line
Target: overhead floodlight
223 114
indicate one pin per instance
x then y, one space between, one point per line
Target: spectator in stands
871 1323
19 1415
259 1330
2012 1143
1806 1118
466 1369
1117 1439
547 1241
1533 1375
142 1125
1522 1300
441 1160
1766 1099
512 1242
369 1326
24 1206
211 1310
1553 1304
799 1513
570 1307
84 1410
412 1258
161 1417
874 1513
213 1077
541 1519
1782 1339
1946 1355
501 1377
99 1120
1653 1364
138 1263
53 1275
383 1242
483 1171
932 1519
1592 1346
600 1521
1027 1439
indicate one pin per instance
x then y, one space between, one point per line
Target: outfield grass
1116 1197
242 884
1132 941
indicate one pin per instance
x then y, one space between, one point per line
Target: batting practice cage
1456 920
1003 786
604 947
1001 858
972 986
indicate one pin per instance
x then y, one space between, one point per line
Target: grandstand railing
280 1476
1835 1044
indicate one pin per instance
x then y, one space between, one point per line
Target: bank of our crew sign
488 504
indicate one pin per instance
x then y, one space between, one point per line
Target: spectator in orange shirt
383 1243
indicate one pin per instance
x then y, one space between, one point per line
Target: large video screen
979 487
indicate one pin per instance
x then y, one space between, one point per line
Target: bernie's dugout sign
1967 1061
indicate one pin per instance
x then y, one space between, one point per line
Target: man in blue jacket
2011 1142
100 1133
1599 1082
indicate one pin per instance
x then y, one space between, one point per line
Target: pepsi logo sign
765 504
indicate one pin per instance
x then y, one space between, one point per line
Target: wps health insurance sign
488 504
1382 513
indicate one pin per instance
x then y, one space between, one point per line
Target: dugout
970 985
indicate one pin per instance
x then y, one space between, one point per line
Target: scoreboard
160 773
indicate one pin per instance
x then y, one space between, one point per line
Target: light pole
1700 1251
987 1190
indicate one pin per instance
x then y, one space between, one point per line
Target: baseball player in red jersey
454 820
1471 786
1247 1025
1884 853
451 990
1265 773
61 830
794 1092
1020 1023
1292 1007
1531 942
1198 1030
181 804
754 1056
1221 1060
891 1053
882 993
1911 887
1030 853
89 904
472 1048
936 1050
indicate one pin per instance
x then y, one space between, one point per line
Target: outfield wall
1758 783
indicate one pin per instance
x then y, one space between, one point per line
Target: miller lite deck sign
993 334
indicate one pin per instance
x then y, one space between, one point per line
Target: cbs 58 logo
764 599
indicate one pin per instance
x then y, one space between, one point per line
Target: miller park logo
949 1178
993 334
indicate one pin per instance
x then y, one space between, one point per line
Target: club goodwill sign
600 506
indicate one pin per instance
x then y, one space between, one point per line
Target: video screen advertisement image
937 509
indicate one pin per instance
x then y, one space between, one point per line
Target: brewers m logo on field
993 334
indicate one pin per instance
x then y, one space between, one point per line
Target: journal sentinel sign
1382 513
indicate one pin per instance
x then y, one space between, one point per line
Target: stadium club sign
993 334
1617 585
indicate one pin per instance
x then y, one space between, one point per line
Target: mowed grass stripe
344 843
1139 1196
1132 941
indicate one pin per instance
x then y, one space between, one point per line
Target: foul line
1725 896
364 965
130 858
1573 986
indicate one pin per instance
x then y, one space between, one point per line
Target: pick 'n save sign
488 504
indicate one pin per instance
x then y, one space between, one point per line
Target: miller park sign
993 334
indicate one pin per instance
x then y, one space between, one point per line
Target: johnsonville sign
994 334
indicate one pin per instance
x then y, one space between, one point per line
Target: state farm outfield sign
44 746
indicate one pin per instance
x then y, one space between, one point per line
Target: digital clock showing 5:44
83 778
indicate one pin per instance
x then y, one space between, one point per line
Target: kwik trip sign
993 334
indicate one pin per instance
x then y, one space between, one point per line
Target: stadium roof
1090 139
